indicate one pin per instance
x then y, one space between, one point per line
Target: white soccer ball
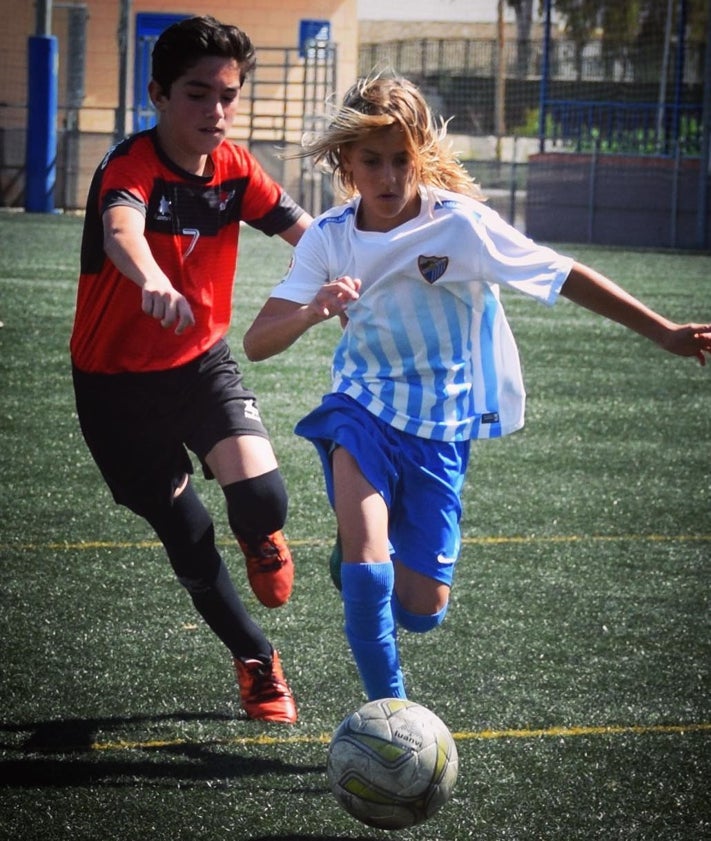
392 763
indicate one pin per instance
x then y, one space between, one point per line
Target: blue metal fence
625 128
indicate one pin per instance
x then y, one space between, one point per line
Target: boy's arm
588 288
126 246
280 322
293 234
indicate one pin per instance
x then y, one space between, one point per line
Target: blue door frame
149 26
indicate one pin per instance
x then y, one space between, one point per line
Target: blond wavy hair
374 103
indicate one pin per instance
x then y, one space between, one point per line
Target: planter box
614 200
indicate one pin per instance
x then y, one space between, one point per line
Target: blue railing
624 127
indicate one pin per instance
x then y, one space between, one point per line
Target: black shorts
138 426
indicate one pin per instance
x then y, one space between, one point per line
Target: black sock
221 607
187 533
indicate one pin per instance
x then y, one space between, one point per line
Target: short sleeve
509 258
308 269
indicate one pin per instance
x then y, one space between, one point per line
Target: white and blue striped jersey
427 347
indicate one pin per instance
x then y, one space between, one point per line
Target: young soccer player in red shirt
153 376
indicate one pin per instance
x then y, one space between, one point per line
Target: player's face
201 107
385 175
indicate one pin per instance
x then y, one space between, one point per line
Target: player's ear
157 95
345 158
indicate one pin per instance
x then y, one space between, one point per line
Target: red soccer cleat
263 690
270 569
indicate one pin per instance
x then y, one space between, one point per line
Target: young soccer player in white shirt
412 264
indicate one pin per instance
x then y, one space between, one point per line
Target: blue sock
370 627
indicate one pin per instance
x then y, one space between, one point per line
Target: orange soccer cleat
263 690
270 569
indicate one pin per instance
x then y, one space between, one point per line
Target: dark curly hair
183 44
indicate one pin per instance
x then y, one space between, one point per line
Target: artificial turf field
573 667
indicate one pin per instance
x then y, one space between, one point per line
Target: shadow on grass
62 753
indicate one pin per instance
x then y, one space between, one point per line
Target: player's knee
418 623
257 506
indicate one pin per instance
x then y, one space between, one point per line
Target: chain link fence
628 102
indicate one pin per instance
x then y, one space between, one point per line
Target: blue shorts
419 479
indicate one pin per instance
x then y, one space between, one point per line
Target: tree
524 22
582 19
631 32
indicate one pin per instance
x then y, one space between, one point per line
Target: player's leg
224 429
357 453
367 578
246 468
124 424
425 530
227 433
186 531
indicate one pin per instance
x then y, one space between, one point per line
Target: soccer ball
392 763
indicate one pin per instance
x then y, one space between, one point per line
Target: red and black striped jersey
192 228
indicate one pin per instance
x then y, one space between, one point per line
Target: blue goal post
41 144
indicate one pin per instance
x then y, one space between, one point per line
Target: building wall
458 11
269 23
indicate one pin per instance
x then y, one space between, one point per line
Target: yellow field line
67 546
462 736
603 730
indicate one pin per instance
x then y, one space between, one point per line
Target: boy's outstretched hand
689 340
588 288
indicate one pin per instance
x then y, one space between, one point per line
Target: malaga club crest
432 268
